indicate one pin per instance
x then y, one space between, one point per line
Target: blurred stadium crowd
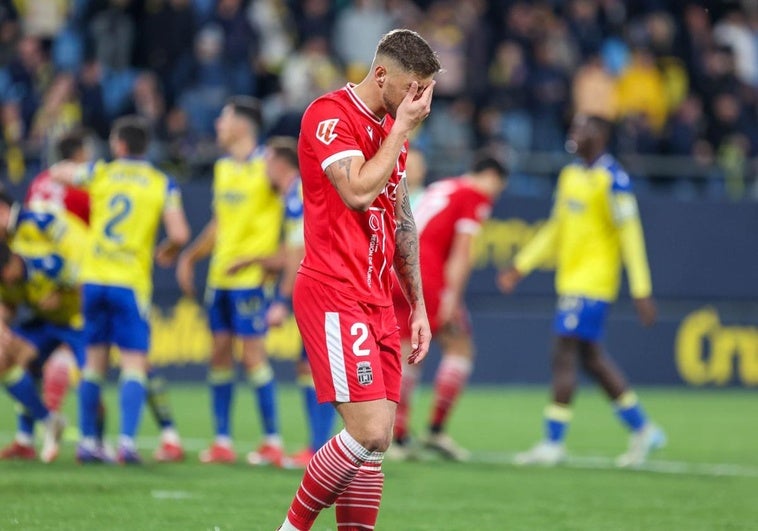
680 78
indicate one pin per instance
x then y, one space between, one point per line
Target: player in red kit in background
358 225
44 193
448 216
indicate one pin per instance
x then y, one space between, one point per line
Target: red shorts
353 347
432 297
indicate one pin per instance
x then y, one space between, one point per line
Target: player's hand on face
646 310
277 314
185 275
415 108
508 280
421 336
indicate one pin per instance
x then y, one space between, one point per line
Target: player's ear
380 75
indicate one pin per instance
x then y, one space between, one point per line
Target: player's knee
373 436
377 441
221 359
592 363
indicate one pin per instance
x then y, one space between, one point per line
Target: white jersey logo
370 131
325 130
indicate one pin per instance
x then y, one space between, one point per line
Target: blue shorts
113 317
581 318
239 311
46 337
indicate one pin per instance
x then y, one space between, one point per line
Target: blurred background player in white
448 216
593 229
246 222
129 197
284 173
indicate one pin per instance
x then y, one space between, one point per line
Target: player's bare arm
200 248
508 279
359 181
68 172
51 302
646 310
272 264
177 236
457 271
409 273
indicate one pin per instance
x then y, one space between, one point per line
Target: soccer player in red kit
45 193
448 216
358 225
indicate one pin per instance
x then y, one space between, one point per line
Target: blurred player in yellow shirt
594 228
246 222
284 173
129 197
45 285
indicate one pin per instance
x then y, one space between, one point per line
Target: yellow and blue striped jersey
248 213
45 275
128 197
594 228
39 232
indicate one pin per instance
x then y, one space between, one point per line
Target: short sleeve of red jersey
475 209
328 127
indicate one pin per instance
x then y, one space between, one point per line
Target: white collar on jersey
350 89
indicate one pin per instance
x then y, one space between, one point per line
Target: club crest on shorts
365 373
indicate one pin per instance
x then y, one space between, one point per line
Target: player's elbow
359 202
180 236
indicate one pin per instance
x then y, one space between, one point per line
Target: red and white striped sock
407 387
55 380
451 378
358 507
328 474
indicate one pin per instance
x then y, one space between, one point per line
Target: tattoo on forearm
407 249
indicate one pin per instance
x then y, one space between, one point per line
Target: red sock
407 386
55 381
358 507
451 378
327 475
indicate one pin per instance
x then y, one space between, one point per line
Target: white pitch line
195 444
171 494
653 465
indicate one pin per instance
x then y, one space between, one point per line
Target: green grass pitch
706 478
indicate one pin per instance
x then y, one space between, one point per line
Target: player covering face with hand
358 226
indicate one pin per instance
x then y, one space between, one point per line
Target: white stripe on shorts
336 356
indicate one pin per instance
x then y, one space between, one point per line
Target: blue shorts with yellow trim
580 317
46 337
241 312
113 316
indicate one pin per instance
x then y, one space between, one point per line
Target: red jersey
446 208
351 251
44 190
